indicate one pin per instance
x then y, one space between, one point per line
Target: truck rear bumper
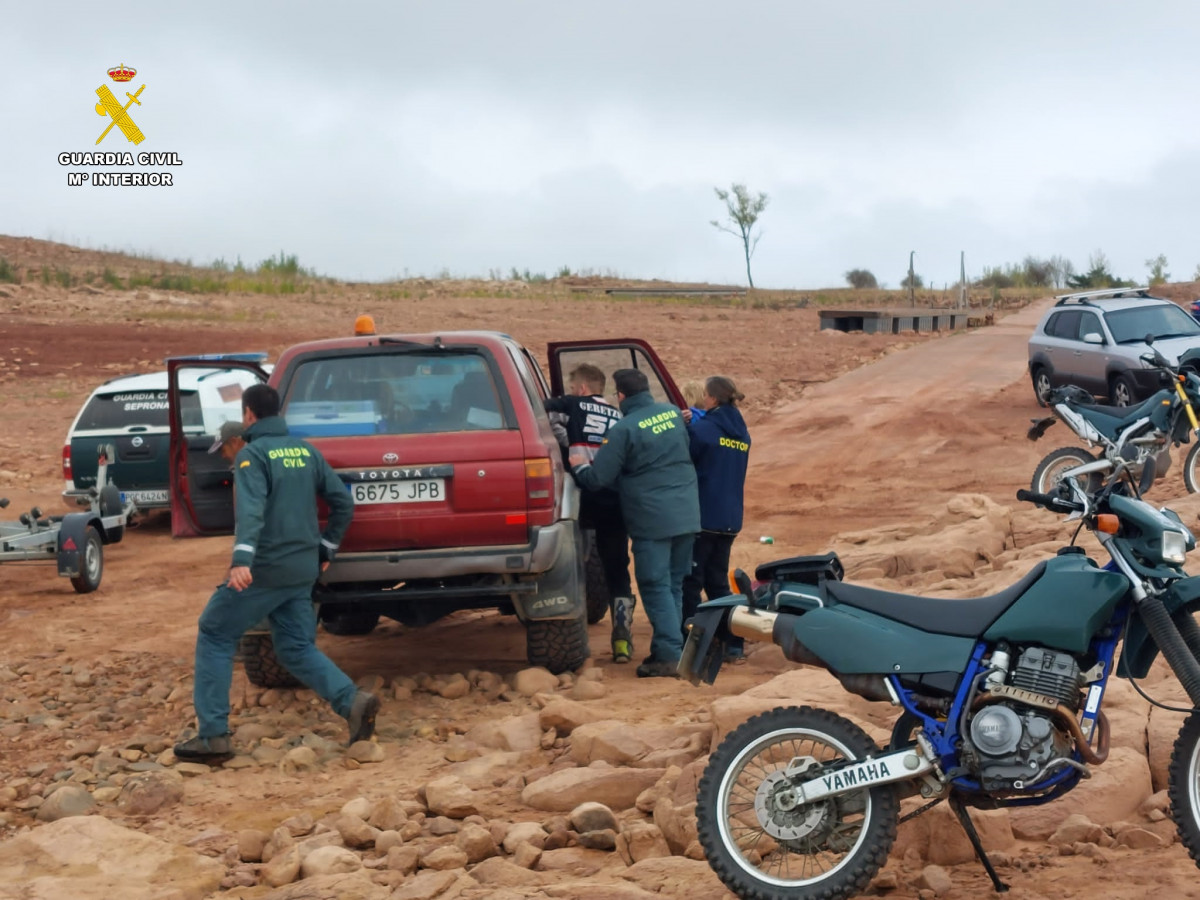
411 565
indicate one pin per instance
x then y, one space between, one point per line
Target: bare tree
743 211
1061 269
1158 269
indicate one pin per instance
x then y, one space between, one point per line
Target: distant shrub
861 278
283 265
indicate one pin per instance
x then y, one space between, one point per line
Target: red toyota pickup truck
461 496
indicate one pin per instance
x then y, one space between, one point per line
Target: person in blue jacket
719 443
278 552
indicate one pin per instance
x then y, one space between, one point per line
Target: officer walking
278 553
646 459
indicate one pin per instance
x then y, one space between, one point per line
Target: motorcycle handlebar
1049 501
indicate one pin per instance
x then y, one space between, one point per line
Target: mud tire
263 668
1183 785
560 645
595 584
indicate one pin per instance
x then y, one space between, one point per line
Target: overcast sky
378 140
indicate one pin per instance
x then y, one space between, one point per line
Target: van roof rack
1103 294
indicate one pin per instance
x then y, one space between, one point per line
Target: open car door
609 355
204 393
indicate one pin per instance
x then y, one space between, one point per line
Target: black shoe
362 716
205 750
658 668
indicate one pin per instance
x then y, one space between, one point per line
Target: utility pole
912 281
962 279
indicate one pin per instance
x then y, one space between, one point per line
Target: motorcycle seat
960 617
1112 420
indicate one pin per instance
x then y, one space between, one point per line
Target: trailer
74 541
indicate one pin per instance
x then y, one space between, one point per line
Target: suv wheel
559 645
263 668
1122 392
349 621
1041 384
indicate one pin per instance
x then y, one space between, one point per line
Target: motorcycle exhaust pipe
780 629
777 628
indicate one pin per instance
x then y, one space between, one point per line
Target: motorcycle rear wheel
1049 471
1191 469
763 845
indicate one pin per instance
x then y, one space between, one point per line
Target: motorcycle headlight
1174 547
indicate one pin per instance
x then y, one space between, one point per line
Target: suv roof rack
1103 294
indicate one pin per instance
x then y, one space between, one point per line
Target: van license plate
145 497
417 490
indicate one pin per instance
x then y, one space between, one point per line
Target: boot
622 628
210 750
362 716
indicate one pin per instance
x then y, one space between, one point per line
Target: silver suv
1096 340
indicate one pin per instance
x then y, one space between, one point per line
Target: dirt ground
837 448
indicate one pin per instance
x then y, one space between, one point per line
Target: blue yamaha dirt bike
1000 697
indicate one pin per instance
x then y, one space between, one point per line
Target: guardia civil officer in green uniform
278 553
646 458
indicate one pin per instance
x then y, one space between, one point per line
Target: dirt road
898 437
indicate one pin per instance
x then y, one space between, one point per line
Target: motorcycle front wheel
1191 469
1054 465
763 843
1183 785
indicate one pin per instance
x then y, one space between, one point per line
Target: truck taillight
66 461
539 482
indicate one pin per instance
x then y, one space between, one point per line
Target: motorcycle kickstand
968 826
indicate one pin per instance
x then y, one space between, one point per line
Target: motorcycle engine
1013 741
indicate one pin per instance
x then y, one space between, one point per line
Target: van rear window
402 393
148 409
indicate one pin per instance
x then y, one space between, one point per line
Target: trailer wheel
91 562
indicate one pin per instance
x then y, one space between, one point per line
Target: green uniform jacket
277 480
646 459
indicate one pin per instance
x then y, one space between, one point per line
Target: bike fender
72 535
852 641
1139 650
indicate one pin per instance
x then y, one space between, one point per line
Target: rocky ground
486 778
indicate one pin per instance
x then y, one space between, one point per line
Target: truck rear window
147 409
402 393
